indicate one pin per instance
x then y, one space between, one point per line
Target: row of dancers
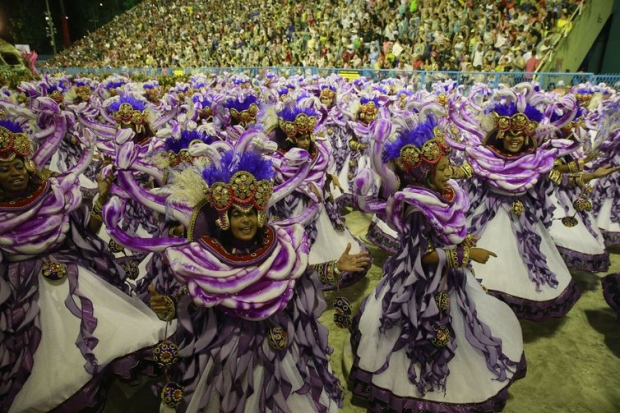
189 235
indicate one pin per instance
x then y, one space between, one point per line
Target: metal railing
416 79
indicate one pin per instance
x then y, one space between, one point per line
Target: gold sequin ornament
54 271
172 395
342 312
442 300
166 353
115 247
582 204
517 208
277 338
131 269
570 222
442 336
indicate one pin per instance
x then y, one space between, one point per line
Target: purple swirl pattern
255 292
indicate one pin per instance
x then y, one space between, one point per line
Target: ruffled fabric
226 362
408 307
48 229
255 291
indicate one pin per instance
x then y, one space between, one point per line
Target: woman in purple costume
64 329
506 210
606 191
429 338
249 338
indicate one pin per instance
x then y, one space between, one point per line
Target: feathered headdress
127 111
177 148
297 121
243 111
114 84
13 141
416 151
583 93
56 91
328 95
243 181
368 109
508 117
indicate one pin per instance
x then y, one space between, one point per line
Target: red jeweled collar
255 257
27 202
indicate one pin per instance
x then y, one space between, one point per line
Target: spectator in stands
194 33
531 65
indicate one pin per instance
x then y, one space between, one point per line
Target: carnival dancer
573 228
65 330
249 337
327 233
429 338
510 216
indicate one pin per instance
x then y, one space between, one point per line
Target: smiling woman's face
14 177
243 225
443 173
513 143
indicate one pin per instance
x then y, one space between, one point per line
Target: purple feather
509 109
241 105
363 101
251 162
135 104
115 84
417 137
11 126
177 145
289 114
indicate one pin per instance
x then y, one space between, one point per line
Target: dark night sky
83 15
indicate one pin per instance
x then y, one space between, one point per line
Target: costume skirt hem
585 262
383 400
611 291
93 395
541 310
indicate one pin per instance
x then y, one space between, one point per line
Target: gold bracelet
555 176
452 258
465 257
572 167
580 163
468 171
97 210
328 272
170 310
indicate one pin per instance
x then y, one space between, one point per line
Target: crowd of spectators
463 35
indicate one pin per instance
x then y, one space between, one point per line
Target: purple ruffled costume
411 356
529 273
62 339
241 301
326 230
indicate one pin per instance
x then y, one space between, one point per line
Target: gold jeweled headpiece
327 96
368 112
583 98
517 123
301 124
412 157
245 117
127 115
242 191
13 144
